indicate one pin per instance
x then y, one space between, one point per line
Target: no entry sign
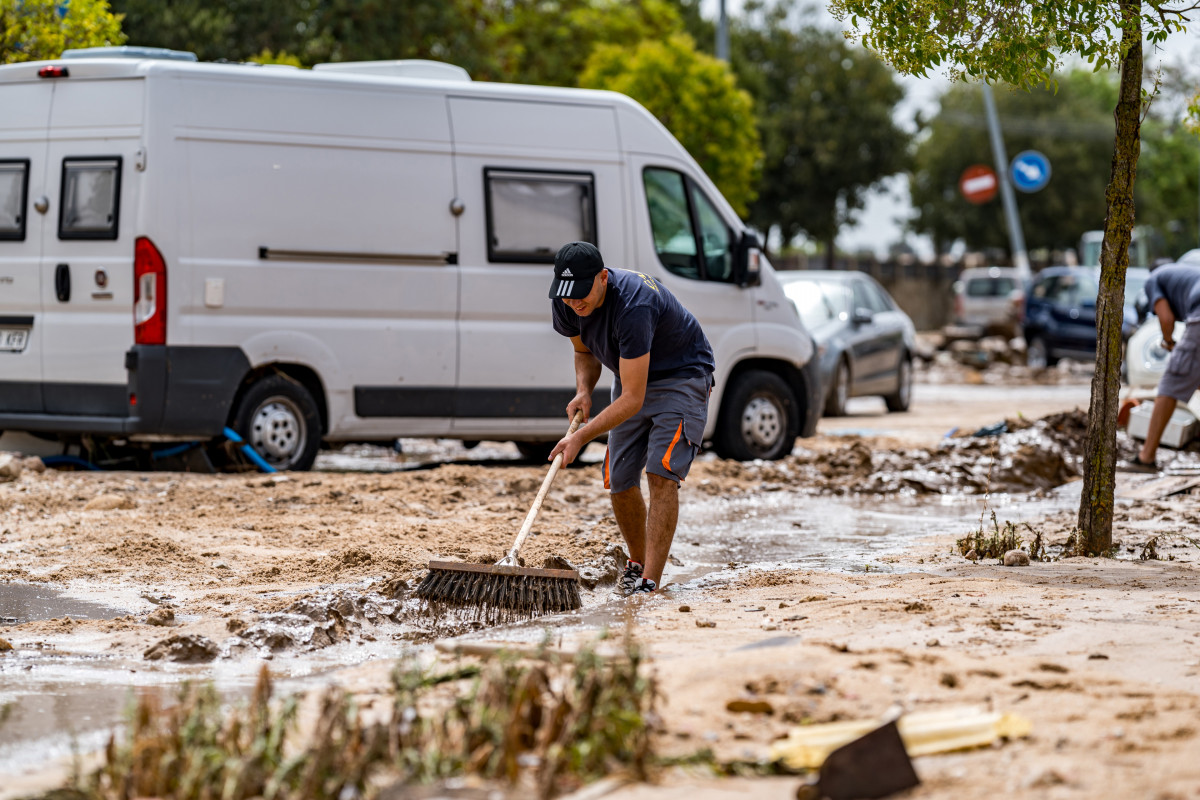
978 183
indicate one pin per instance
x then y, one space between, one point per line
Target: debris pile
1014 456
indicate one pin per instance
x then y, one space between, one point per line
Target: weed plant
547 725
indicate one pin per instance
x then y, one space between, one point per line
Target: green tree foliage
1023 44
36 30
697 98
825 108
1168 185
316 30
1072 127
549 42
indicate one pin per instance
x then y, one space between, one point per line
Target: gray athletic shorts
1183 367
662 437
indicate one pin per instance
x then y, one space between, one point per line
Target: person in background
1174 294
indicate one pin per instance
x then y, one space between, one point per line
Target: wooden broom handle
511 558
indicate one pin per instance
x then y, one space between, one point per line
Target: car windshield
810 301
990 287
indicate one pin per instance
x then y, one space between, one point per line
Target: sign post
1016 237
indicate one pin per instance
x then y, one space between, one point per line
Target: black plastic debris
874 765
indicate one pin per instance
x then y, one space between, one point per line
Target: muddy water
56 701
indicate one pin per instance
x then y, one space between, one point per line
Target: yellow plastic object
923 732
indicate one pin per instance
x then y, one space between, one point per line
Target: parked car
989 298
1059 319
864 341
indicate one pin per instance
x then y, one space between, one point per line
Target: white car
1146 358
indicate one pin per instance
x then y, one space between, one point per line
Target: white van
357 252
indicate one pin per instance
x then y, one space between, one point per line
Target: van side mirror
861 316
1142 306
747 263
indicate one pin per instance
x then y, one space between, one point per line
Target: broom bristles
500 594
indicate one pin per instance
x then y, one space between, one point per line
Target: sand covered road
1101 655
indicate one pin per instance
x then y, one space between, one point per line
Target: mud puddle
25 602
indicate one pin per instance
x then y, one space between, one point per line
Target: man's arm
587 375
634 373
1166 320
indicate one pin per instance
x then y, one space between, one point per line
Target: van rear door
23 171
87 244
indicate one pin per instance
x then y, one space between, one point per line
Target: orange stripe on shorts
666 462
606 486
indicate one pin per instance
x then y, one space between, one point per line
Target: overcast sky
880 223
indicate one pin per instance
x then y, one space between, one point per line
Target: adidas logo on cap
566 273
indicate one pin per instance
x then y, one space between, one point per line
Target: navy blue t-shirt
640 316
1180 285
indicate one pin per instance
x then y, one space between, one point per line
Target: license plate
13 339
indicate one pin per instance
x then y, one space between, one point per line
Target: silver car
864 341
988 299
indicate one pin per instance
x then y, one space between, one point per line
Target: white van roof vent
407 68
130 52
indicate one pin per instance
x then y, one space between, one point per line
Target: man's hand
581 402
569 446
1167 343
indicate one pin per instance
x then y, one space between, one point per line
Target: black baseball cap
576 266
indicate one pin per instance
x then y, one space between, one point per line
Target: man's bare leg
1164 407
660 526
630 510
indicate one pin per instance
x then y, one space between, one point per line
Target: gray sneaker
646 586
629 581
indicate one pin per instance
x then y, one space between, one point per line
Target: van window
14 186
684 223
530 214
91 194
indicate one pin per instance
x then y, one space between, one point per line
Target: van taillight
54 72
149 293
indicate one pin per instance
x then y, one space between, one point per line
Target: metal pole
722 34
1015 237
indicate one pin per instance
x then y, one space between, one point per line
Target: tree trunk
831 252
1099 450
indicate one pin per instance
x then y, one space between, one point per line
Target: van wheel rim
762 424
277 431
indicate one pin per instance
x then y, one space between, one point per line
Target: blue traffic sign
1030 171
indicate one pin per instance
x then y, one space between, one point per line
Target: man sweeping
663 364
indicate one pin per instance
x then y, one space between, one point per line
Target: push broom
505 590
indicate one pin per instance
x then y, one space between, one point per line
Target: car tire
759 419
278 417
839 391
899 401
1037 354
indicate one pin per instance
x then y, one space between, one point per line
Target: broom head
500 593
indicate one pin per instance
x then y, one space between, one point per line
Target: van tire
536 452
759 418
278 418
